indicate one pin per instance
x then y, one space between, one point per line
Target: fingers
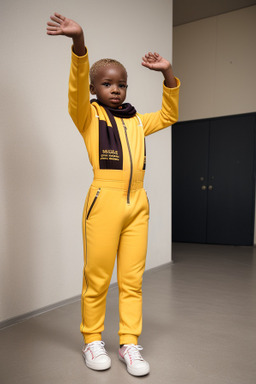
54 26
53 29
151 57
59 16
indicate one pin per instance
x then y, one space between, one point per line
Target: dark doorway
213 180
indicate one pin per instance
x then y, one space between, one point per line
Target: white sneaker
136 365
96 357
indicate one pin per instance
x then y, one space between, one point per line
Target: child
116 212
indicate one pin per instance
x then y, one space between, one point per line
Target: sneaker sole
98 367
134 372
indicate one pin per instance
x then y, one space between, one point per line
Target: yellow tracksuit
116 211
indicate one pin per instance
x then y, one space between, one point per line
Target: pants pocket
93 203
148 203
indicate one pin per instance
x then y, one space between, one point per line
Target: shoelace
134 352
97 347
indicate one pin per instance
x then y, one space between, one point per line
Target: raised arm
79 95
156 62
61 25
168 114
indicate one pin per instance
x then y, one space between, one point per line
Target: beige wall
216 60
44 168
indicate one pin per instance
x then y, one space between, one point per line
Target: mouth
115 99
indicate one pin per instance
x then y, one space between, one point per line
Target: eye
106 84
124 86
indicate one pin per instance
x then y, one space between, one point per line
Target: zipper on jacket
93 202
130 154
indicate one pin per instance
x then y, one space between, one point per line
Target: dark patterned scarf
125 110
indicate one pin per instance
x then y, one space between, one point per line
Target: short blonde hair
103 63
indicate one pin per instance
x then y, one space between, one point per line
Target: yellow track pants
115 224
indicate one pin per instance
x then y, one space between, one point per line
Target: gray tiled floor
199 327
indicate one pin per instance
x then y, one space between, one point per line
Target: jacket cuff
174 89
79 59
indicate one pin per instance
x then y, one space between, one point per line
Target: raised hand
156 62
61 25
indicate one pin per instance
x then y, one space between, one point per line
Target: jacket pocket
93 203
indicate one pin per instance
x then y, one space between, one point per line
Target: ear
92 89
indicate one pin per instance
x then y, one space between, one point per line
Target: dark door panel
231 174
213 180
189 175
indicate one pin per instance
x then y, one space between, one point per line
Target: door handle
204 187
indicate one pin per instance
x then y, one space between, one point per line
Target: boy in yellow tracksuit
116 212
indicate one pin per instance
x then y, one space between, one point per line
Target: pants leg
130 268
101 229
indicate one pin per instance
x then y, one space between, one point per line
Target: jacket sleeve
79 106
167 115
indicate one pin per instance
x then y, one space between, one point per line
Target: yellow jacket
128 158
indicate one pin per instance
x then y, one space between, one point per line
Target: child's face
110 85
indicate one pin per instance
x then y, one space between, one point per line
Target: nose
115 89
